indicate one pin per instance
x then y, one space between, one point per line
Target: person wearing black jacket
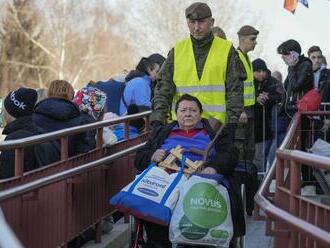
58 112
300 75
18 107
189 127
321 82
268 92
321 74
297 83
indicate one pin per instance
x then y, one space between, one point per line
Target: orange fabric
290 5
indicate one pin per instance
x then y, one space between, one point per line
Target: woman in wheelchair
192 131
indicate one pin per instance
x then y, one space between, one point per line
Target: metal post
263 138
276 125
276 131
294 203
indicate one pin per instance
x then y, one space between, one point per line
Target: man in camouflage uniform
244 135
244 140
200 22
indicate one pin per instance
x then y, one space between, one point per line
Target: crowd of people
204 76
25 113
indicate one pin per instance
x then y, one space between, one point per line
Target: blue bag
152 196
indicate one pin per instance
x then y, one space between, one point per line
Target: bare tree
79 44
155 26
83 47
95 39
22 61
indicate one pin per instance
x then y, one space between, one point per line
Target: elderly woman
192 131
57 112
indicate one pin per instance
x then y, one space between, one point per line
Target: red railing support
19 161
64 148
304 219
99 137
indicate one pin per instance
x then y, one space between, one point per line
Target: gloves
158 155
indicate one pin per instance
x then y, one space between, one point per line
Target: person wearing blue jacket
138 89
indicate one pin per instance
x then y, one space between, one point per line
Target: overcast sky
309 26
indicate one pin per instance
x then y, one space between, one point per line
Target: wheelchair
137 232
138 236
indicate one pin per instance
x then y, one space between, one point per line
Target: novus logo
205 202
18 103
204 205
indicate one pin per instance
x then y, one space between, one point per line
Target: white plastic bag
321 147
109 138
152 196
202 215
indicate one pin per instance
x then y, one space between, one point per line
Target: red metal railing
49 206
295 220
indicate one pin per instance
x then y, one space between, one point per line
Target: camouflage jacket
165 88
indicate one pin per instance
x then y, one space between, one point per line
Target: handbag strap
175 181
130 190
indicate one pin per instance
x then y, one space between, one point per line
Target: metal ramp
255 234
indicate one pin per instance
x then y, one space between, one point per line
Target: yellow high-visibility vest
210 89
249 91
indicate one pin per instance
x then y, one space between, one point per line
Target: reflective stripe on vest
210 89
192 89
249 91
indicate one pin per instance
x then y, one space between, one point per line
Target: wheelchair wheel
137 234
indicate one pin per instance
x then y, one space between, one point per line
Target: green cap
198 11
247 30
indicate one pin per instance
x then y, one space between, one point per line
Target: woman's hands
208 170
158 155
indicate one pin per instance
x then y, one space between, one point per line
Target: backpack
114 91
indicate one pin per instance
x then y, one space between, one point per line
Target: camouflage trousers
244 140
